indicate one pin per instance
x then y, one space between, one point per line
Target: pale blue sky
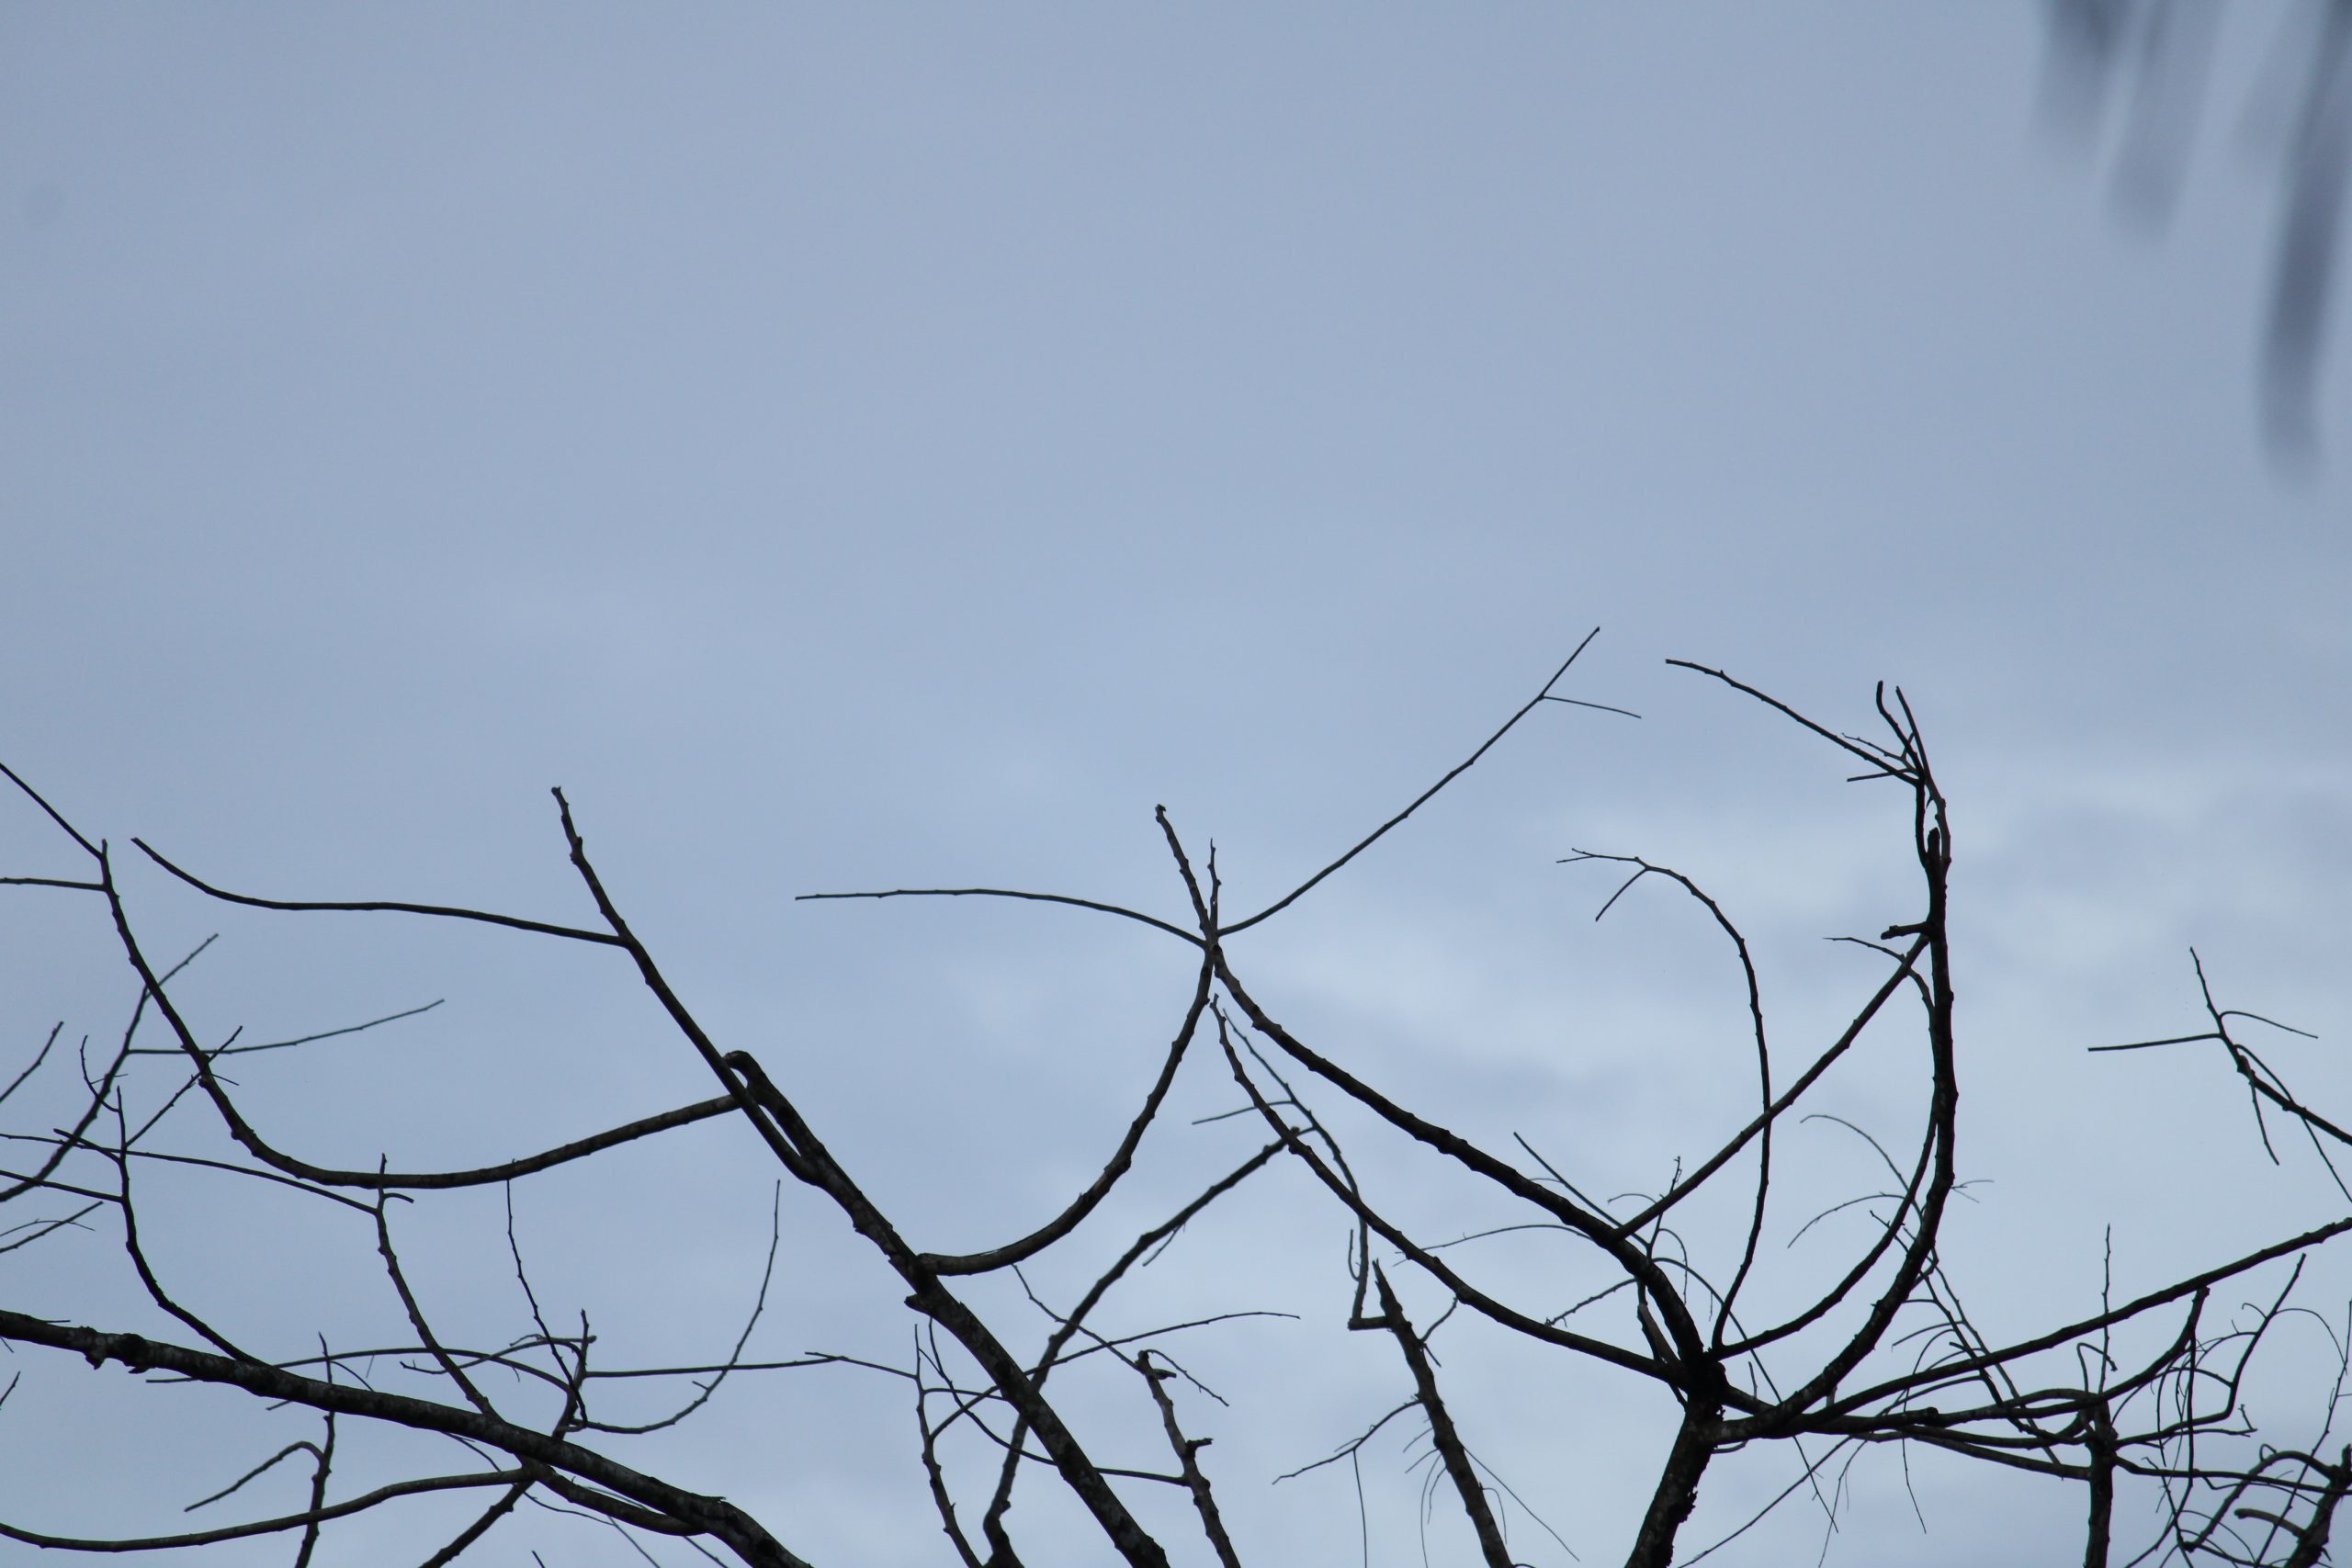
860 445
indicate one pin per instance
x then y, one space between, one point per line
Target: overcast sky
857 446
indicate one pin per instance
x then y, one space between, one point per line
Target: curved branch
1061 1224
1766 1114
308 1519
1154 921
444 911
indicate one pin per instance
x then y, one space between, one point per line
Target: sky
874 446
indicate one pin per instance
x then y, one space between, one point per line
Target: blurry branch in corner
2296 117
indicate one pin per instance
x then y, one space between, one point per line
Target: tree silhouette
1758 1353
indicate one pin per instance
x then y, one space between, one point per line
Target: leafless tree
1878 1352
